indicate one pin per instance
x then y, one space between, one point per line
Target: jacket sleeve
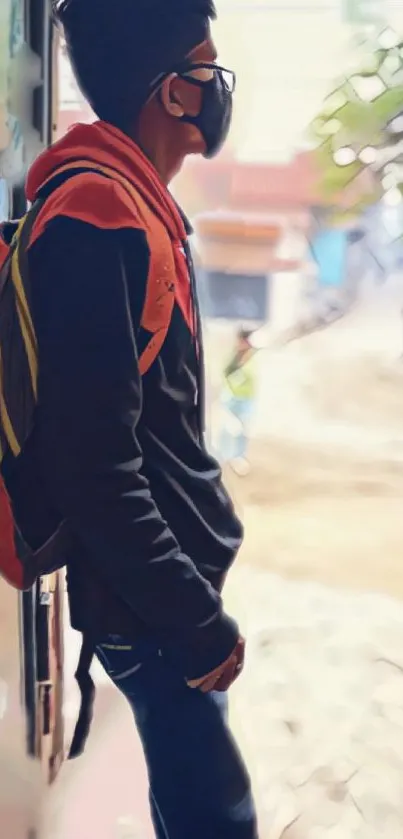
90 403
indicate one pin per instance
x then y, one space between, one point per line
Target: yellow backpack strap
15 277
160 289
21 293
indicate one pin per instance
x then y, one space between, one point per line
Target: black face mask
214 119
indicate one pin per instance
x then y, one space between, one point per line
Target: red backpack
20 565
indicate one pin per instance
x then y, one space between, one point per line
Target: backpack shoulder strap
18 347
160 290
19 247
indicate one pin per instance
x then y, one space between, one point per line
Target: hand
225 675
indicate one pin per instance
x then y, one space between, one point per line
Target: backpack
20 565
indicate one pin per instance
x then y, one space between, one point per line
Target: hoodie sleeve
90 403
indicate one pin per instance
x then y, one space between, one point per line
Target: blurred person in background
118 450
238 400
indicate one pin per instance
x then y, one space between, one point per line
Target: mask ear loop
156 85
157 89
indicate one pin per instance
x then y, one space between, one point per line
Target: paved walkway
104 793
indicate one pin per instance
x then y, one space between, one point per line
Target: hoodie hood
101 144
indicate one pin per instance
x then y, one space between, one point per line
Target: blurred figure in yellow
239 397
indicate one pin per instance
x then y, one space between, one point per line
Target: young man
118 449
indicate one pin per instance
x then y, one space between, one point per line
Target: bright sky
286 64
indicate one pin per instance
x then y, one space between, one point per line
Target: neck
157 143
165 162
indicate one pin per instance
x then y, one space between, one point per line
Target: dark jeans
199 787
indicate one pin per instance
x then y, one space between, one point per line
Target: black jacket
121 457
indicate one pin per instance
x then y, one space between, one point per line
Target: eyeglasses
200 72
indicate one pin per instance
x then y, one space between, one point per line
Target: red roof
236 185
288 185
265 187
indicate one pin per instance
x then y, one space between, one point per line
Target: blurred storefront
252 250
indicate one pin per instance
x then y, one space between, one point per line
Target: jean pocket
120 661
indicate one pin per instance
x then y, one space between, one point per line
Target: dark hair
118 47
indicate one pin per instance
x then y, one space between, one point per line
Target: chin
193 142
198 147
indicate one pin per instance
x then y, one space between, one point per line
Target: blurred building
72 106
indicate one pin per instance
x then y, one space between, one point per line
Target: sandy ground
323 500
318 589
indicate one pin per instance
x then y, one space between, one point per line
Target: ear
170 97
